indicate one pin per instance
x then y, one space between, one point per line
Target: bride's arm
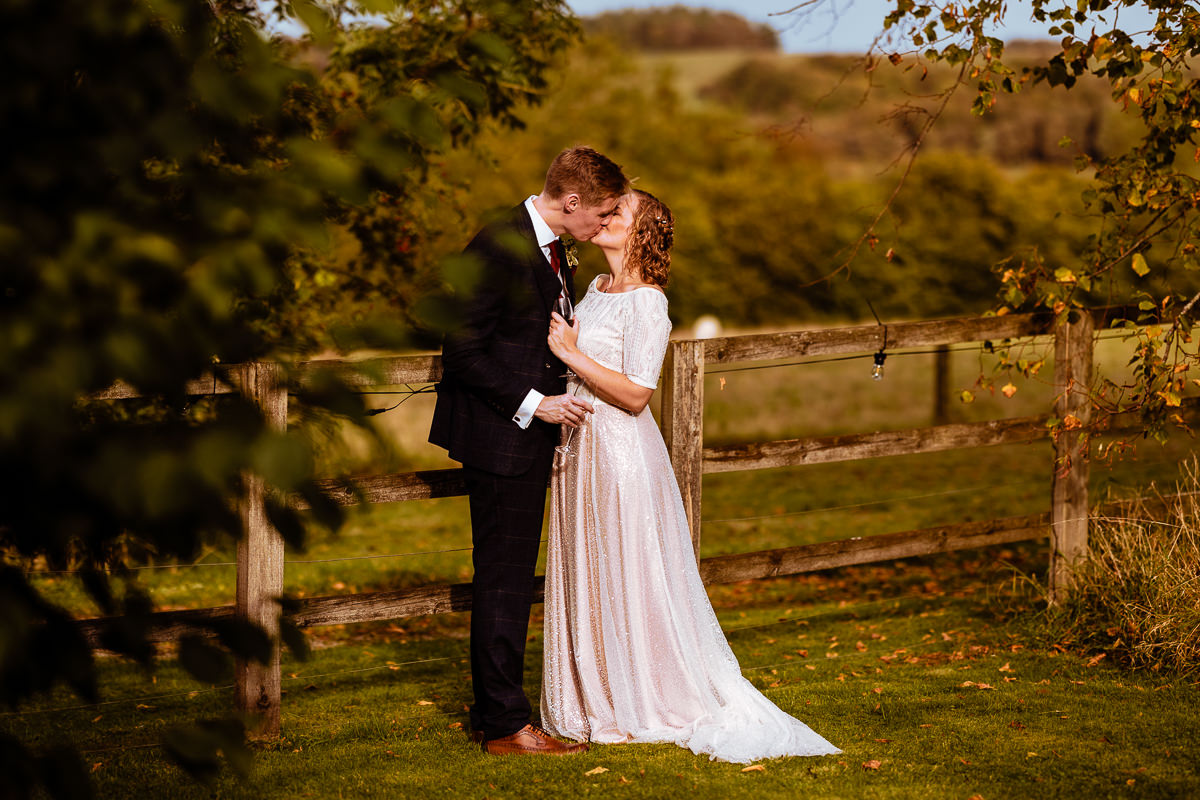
608 384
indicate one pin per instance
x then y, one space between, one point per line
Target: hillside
864 114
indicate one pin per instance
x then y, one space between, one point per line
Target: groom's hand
563 409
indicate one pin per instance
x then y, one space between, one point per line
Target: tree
173 178
1145 197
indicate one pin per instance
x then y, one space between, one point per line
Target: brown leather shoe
533 741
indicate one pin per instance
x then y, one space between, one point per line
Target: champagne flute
567 312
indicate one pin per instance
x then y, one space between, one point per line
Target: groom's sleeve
466 350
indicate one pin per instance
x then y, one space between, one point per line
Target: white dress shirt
545 238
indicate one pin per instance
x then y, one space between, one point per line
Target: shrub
1137 597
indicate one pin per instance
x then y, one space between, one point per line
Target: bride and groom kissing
540 389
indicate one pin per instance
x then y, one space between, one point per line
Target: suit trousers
506 531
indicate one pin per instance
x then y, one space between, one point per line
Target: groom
499 407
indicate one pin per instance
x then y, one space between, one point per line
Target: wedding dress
633 649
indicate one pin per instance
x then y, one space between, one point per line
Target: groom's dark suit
489 364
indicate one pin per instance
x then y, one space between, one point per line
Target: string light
877 367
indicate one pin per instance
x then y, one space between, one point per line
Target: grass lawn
932 675
935 676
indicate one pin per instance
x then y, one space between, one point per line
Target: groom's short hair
587 173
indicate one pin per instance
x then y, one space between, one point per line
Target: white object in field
706 327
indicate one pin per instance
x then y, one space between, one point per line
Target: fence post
683 424
260 563
941 384
1069 505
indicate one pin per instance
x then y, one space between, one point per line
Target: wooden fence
260 561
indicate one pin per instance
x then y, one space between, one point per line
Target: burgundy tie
555 258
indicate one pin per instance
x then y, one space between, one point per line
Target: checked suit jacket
498 352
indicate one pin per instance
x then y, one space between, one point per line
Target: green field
887 661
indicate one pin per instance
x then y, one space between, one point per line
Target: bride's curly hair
648 245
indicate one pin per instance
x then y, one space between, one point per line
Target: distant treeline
681 28
775 164
871 111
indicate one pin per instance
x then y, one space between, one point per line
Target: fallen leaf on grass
1006 667
624 780
872 764
926 725
883 741
456 726
968 684
1096 660
755 768
596 771
424 702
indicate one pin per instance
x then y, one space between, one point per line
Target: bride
633 649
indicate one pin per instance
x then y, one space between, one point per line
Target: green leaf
315 18
203 660
295 640
1139 265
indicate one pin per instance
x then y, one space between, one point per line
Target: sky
834 26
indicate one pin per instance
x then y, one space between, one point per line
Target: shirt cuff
524 414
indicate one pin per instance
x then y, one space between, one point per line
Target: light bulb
877 368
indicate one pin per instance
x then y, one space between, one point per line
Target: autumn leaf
1008 390
755 768
424 702
1139 265
1170 398
872 764
967 396
1096 660
596 771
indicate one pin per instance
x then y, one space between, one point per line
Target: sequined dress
633 649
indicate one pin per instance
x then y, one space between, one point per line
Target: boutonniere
572 252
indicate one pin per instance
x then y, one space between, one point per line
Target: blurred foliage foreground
169 181
182 193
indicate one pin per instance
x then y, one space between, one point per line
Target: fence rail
260 551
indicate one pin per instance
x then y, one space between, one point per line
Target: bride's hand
562 336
